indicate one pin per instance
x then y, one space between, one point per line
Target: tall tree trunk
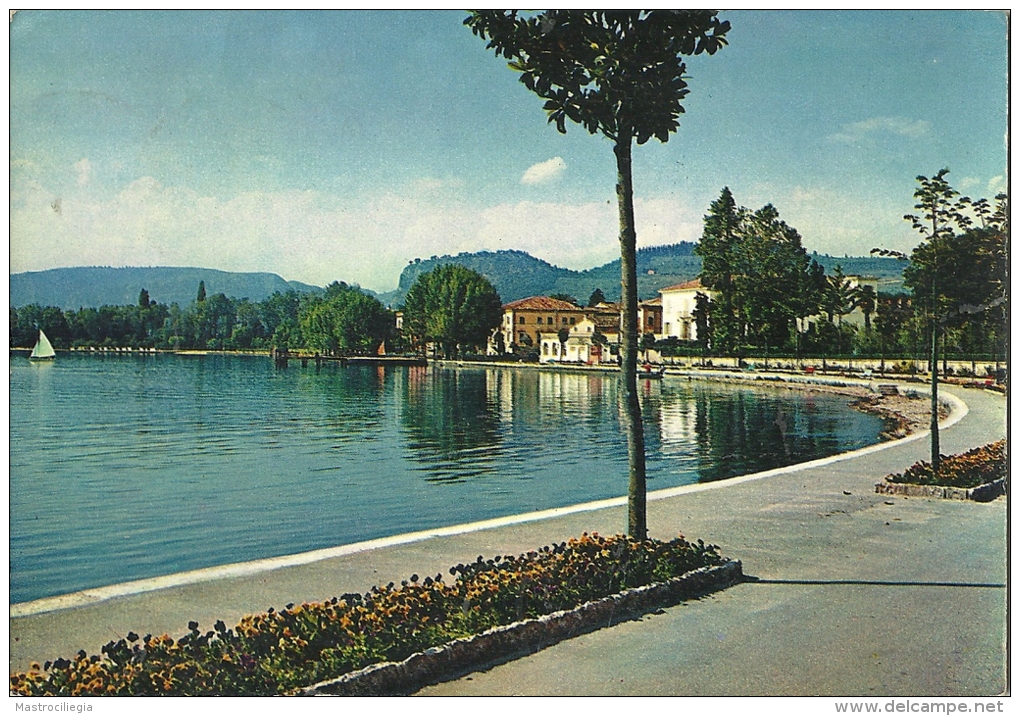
637 525
935 457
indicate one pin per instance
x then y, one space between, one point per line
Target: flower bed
978 474
286 651
504 643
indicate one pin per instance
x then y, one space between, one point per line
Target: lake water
124 467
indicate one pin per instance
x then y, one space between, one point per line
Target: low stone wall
981 493
501 644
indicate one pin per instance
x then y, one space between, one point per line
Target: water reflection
451 423
723 432
130 467
465 422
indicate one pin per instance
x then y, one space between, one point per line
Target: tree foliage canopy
837 295
960 267
345 320
958 274
596 298
762 276
453 306
611 71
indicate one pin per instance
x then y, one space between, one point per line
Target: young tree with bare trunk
621 74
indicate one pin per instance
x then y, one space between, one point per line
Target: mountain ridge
77 287
515 274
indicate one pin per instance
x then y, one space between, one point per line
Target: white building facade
586 344
678 304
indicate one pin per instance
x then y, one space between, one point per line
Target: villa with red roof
593 332
526 319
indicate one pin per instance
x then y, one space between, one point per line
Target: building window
572 321
564 320
521 319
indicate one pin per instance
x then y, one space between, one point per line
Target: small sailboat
43 349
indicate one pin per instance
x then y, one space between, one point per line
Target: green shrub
280 651
970 469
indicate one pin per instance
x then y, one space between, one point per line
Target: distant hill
889 272
94 286
516 274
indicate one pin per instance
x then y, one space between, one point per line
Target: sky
341 145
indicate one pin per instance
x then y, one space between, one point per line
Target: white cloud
582 236
84 169
996 185
855 132
433 184
316 237
666 221
296 234
544 172
843 220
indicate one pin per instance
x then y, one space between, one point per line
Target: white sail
43 348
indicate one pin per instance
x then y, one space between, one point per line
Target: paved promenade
856 593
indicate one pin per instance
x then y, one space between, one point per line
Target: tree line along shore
757 290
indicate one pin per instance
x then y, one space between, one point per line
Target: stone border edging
521 638
982 493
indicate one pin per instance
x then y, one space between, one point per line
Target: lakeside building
536 322
526 319
678 304
650 317
589 341
607 316
592 334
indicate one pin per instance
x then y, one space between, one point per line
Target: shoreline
889 404
902 412
821 526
